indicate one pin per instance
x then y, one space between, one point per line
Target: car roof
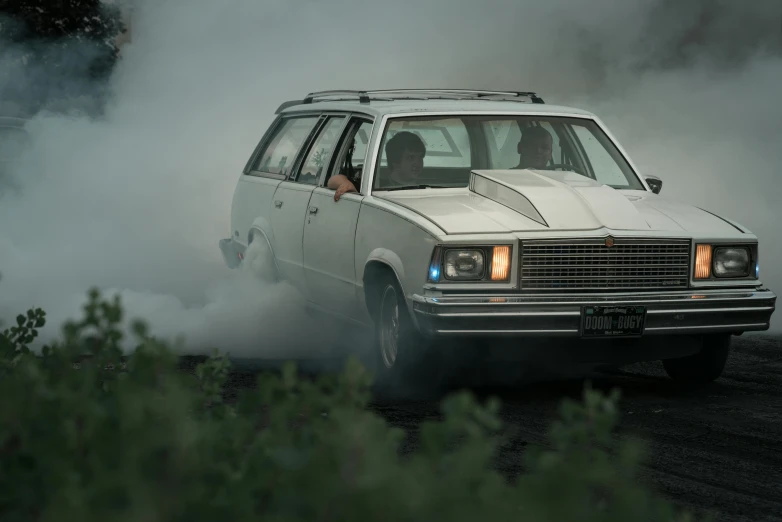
382 108
381 103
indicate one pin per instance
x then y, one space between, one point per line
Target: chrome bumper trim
690 312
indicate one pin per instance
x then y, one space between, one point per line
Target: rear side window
280 153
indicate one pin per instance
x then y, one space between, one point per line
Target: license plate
612 321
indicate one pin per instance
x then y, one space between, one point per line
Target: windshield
440 151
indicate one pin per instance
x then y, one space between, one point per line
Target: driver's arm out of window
341 184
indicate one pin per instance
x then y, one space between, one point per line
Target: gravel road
717 449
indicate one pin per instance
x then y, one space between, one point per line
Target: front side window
320 151
353 151
360 142
280 153
441 151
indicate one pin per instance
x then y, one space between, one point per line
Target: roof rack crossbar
456 91
362 95
387 94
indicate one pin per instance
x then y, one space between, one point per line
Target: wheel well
256 233
259 235
374 273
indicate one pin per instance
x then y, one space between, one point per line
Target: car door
330 229
271 164
291 200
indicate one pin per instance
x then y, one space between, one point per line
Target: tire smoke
134 201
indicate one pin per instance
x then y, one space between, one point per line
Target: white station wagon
486 214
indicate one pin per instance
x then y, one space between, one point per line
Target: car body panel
404 245
288 212
689 218
328 257
380 108
566 202
252 202
458 211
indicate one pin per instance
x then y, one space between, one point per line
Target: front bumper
679 313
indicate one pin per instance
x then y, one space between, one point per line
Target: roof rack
364 97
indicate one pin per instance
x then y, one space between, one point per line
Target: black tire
704 366
415 366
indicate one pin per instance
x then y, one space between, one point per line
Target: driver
405 153
534 148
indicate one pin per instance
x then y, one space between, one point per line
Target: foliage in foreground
155 444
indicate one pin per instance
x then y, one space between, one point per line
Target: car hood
527 200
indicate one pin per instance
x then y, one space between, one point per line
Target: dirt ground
717 449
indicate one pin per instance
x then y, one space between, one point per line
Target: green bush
152 443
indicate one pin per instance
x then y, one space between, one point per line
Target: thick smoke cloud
136 201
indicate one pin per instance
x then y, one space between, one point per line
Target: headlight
464 265
480 263
731 262
725 262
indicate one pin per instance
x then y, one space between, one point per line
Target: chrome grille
630 264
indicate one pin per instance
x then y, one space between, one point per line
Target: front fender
392 261
389 258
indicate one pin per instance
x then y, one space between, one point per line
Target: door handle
313 210
277 203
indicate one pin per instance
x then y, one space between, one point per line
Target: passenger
405 153
535 147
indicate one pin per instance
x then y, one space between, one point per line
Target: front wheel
405 362
704 366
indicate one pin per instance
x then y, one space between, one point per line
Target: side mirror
655 183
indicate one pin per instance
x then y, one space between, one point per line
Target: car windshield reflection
441 151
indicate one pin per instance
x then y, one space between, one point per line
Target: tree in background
57 54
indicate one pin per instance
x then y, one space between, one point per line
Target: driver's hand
344 188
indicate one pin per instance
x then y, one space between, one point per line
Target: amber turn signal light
702 261
500 263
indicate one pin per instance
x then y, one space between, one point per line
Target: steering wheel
566 166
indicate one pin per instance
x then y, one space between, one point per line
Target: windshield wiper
412 187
